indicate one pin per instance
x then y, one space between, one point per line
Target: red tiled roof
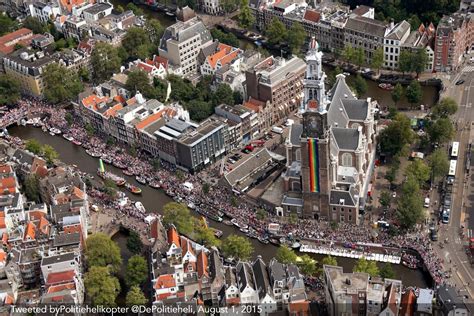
202 265
30 231
149 120
92 101
158 60
7 185
6 169
78 193
59 288
43 225
189 267
312 15
41 172
408 303
233 301
165 281
299 308
60 277
254 105
173 237
186 246
2 223
113 110
145 67
35 215
9 300
3 255
8 41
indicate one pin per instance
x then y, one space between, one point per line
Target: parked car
461 81
433 235
445 217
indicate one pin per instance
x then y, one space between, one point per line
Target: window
346 160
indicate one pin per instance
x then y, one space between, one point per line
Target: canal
153 200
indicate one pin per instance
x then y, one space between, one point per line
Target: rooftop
204 130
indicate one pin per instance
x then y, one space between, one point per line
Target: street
454 250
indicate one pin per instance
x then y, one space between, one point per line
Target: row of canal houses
185 273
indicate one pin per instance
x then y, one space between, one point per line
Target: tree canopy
414 93
444 108
286 255
137 271
61 84
276 31
7 24
307 265
246 18
134 243
397 93
237 247
178 214
35 25
135 296
10 89
360 85
137 43
396 135
377 59
105 61
440 131
439 163
205 235
101 286
364 265
101 251
138 80
419 170
387 272
296 37
410 204
155 31
32 189
225 37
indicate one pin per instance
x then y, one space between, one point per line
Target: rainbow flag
101 166
313 165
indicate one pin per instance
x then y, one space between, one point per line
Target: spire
313 45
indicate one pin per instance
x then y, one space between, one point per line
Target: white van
427 202
278 130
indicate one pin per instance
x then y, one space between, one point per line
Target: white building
212 7
246 284
393 43
44 11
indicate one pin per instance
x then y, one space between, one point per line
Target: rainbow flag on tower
313 165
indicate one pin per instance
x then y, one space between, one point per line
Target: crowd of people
217 197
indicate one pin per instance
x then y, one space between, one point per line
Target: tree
419 61
276 32
377 59
419 170
405 61
155 31
360 85
385 198
414 21
205 188
137 271
414 92
178 215
105 61
296 37
293 219
223 95
135 296
49 153
120 9
138 80
246 18
440 131
307 265
410 204
136 10
261 214
237 247
134 242
137 43
439 163
330 261
387 272
84 74
396 135
61 84
101 251
229 6
397 93
34 146
7 25
89 129
286 255
101 287
205 235
10 89
225 38
32 189
359 56
238 98
364 265
348 53
34 24
444 108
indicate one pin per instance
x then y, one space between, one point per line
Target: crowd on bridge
217 197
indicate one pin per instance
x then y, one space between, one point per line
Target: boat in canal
119 181
76 142
274 241
263 240
133 189
218 233
386 86
228 223
68 137
127 172
154 184
295 245
140 180
140 207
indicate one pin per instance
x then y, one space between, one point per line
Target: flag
101 166
168 91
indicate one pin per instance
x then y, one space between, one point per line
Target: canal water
153 200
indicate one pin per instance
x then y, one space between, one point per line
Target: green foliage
61 84
136 10
138 80
261 214
178 215
204 234
410 204
229 5
32 189
10 89
440 131
225 37
420 59
396 135
414 21
359 56
137 271
307 265
49 153
246 18
119 9
439 163
444 108
419 170
238 98
155 31
405 61
135 296
293 219
223 95
7 24
105 61
134 242
296 37
385 198
377 59
276 32
205 188
84 74
101 287
387 272
101 251
330 261
89 129
137 43
35 25
364 265
414 92
360 85
46 151
34 146
286 255
397 93
347 53
237 247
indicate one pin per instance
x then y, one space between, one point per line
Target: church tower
315 138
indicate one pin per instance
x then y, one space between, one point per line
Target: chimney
348 281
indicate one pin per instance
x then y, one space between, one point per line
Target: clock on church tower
314 124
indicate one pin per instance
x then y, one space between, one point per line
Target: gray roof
59 258
294 170
97 8
295 134
276 270
206 51
346 138
245 276
24 156
356 109
182 31
340 91
292 201
253 162
366 26
336 196
178 125
262 282
449 299
67 239
399 30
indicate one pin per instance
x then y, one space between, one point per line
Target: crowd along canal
153 200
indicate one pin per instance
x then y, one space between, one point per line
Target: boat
68 137
52 134
228 223
295 245
23 122
93 153
274 241
55 131
140 180
244 230
235 223
127 172
133 189
76 142
218 233
386 86
140 207
170 193
119 181
119 165
263 240
191 205
154 184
